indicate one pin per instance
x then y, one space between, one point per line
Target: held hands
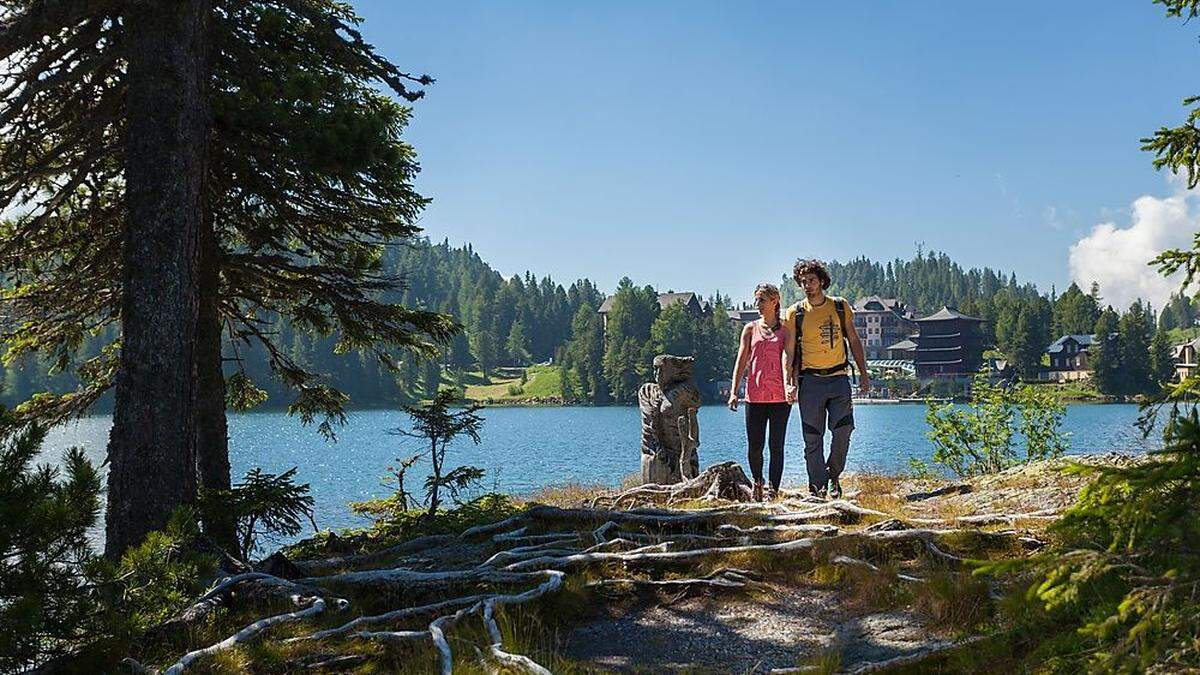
789 391
864 384
733 401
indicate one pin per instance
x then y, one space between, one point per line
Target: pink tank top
764 382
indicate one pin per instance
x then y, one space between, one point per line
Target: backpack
839 306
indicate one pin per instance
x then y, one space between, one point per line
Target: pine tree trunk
212 439
151 450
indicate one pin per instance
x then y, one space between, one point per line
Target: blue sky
704 146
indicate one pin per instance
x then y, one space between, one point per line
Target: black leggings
757 417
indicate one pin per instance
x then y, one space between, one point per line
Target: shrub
435 424
263 505
157 578
1126 577
979 438
47 604
394 526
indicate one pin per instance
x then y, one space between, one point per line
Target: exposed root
726 577
399 578
395 615
251 631
724 481
817 529
324 565
915 658
941 555
863 564
553 583
544 543
990 518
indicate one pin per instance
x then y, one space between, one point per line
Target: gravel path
743 635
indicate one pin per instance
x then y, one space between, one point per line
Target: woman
768 349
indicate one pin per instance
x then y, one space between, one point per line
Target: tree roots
543 544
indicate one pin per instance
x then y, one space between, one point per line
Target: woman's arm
739 365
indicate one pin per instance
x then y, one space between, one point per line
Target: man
825 326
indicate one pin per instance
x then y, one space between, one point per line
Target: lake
523 449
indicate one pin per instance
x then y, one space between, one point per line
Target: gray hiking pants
823 398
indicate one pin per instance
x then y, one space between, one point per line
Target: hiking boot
758 491
835 488
817 492
772 493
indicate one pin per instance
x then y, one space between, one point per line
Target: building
882 322
1185 359
949 343
1069 358
693 303
904 350
741 317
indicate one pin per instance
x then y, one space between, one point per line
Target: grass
505 386
567 495
877 491
953 601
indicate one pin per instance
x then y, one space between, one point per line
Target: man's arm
860 359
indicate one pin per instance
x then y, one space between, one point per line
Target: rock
278 565
957 489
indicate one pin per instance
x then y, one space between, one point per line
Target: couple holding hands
801 354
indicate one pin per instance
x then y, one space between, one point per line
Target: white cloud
1118 257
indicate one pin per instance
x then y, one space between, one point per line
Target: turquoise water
523 449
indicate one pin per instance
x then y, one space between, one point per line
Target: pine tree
46 606
1106 355
517 345
295 71
1135 335
1074 313
483 346
1162 361
628 351
674 332
1026 344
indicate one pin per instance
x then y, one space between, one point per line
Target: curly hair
812 266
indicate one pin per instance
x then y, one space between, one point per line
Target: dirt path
795 626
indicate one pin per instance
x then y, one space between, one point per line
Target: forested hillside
525 319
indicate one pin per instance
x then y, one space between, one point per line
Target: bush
47 603
393 526
160 576
263 505
1126 578
515 390
979 438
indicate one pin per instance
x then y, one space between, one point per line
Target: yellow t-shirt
822 344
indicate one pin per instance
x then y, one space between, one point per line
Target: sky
705 146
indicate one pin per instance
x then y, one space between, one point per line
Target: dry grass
863 589
825 663
953 601
567 495
877 491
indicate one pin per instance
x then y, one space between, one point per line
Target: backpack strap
839 305
799 329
